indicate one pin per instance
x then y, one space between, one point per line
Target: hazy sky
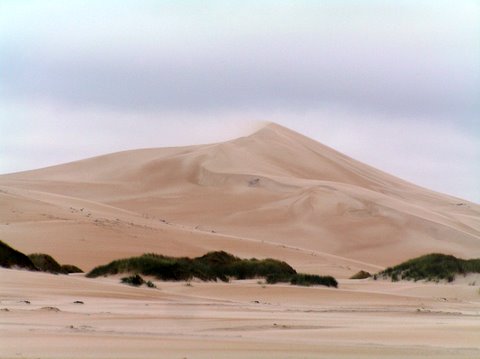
395 84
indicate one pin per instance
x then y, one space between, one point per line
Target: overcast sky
395 84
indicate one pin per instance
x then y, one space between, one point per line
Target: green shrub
70 268
361 275
432 267
134 280
211 266
150 284
11 258
46 263
313 279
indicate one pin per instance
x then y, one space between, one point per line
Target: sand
361 319
273 194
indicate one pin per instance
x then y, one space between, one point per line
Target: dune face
275 193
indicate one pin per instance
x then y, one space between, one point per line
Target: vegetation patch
361 275
150 284
218 265
70 268
136 281
11 258
46 263
313 279
432 267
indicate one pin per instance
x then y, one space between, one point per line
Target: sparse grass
432 267
212 266
11 258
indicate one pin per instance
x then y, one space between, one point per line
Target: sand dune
274 193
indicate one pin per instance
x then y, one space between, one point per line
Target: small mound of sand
50 309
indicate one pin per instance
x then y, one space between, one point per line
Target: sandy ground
242 319
272 194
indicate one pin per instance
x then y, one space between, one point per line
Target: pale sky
394 84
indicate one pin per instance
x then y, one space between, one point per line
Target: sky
394 84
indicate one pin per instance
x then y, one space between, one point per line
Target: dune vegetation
11 258
361 275
46 263
432 267
218 265
136 281
70 268
313 279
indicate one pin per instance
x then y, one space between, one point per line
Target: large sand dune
273 194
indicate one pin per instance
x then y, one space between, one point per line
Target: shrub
432 267
10 257
134 280
150 284
46 263
211 266
361 275
313 279
70 268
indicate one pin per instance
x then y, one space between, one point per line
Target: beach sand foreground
361 319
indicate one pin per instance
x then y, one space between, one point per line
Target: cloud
82 78
245 56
